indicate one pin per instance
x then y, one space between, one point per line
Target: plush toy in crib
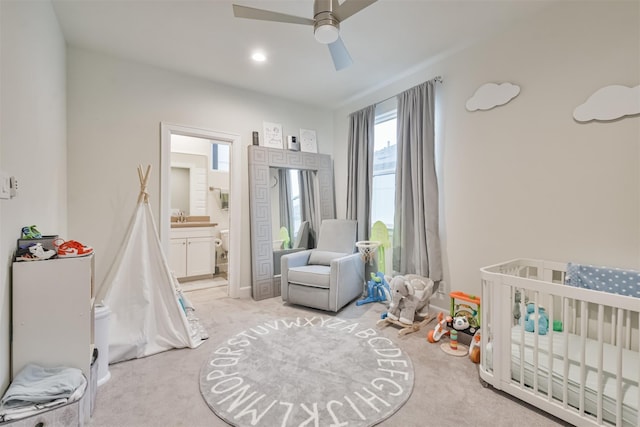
542 320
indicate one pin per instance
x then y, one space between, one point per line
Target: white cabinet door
199 256
178 257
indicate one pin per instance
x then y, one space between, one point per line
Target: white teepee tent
148 312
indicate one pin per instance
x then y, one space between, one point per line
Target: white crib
591 365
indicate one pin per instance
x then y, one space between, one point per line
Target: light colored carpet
315 370
163 390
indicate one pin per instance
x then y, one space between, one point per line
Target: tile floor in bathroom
218 281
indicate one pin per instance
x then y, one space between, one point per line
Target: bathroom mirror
188 184
199 177
264 164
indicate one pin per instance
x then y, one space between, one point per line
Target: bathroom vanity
192 250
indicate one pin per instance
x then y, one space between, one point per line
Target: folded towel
35 384
605 279
10 414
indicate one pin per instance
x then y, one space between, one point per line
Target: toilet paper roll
217 242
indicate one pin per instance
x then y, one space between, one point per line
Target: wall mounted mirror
306 181
189 184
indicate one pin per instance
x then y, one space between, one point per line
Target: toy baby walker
464 318
465 312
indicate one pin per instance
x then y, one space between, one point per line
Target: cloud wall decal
491 95
609 103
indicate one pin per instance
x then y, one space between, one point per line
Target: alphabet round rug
315 371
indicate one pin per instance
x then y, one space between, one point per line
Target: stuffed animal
409 295
460 323
530 320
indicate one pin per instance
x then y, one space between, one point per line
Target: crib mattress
630 363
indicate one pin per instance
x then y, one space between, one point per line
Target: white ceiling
202 38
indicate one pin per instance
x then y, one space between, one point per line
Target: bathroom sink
192 224
191 221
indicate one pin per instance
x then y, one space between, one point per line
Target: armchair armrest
277 258
347 280
295 259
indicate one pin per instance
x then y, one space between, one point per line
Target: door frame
235 228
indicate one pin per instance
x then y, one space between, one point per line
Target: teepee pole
144 179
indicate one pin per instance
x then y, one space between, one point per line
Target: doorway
206 164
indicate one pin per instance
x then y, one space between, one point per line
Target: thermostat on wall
292 143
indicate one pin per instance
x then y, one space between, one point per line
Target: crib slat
628 332
551 351
613 327
619 348
536 335
638 405
522 355
583 353
600 361
565 353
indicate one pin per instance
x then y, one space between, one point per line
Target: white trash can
102 314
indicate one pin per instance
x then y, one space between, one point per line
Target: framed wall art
272 137
308 142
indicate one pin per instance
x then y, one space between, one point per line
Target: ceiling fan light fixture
326 33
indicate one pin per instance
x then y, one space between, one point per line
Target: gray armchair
328 277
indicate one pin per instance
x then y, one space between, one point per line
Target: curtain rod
435 79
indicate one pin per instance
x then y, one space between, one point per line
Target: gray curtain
286 208
416 241
360 169
309 205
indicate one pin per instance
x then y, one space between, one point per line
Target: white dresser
53 316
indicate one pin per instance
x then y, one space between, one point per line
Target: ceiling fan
327 16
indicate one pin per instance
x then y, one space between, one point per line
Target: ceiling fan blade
350 7
340 55
267 15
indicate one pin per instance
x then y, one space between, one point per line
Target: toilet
224 236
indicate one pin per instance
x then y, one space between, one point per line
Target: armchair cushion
337 235
311 275
318 257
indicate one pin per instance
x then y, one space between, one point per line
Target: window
296 203
384 169
220 157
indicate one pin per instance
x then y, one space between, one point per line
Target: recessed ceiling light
259 57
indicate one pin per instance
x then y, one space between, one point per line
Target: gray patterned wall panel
260 160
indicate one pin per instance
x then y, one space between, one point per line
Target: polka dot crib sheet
605 279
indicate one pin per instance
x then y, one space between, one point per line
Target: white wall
32 136
115 108
525 179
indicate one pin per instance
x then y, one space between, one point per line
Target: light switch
5 186
13 186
